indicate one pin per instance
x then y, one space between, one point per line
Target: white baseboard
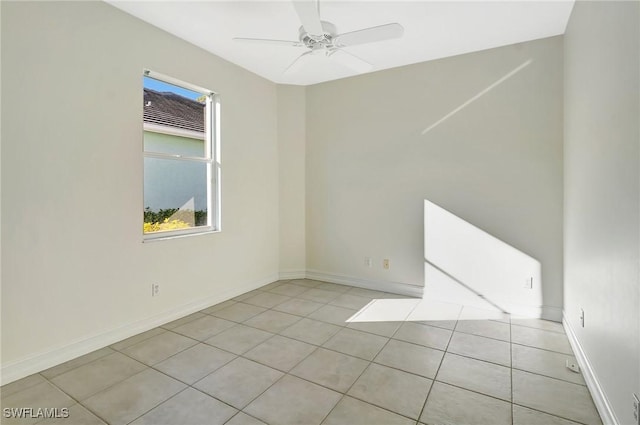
597 393
44 360
384 286
551 313
292 274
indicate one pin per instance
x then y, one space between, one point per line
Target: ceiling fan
321 38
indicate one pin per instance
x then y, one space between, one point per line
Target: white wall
601 209
291 169
74 265
496 163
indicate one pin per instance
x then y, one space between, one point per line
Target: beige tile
298 307
273 285
21 384
194 363
571 401
311 331
356 343
369 293
392 389
219 306
319 295
188 407
280 353
288 289
266 299
445 324
486 328
204 327
333 314
547 325
448 405
77 362
244 419
487 349
272 321
293 401
426 335
77 415
526 416
379 328
538 338
333 287
183 320
246 295
307 283
476 375
42 395
93 377
133 397
238 382
137 338
411 358
239 339
489 313
350 301
330 369
239 312
545 362
355 412
434 310
159 347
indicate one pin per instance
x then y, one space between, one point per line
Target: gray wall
601 208
496 163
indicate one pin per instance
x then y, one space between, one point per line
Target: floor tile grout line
446 349
482 336
540 329
340 293
550 414
156 406
369 361
544 349
359 376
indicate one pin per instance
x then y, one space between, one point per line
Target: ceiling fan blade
297 64
268 41
370 35
350 61
307 11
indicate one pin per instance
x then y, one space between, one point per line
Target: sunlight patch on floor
409 310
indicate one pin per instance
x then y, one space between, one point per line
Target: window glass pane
175 194
174 119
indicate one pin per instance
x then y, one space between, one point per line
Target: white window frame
211 158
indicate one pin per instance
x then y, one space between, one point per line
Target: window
181 158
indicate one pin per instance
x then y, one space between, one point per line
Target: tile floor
284 354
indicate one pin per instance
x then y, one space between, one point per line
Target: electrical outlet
386 264
155 289
572 366
528 283
368 262
636 408
582 317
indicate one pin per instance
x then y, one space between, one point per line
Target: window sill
147 239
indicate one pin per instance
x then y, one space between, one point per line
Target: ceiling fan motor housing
319 41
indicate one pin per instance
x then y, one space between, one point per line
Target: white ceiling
433 29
